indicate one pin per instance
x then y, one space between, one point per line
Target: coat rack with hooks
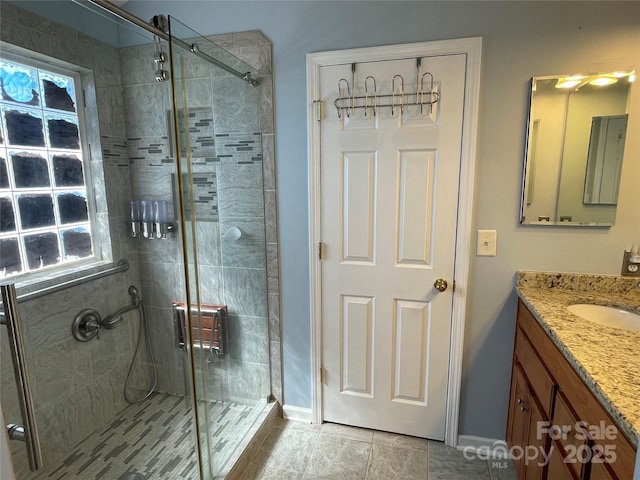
398 100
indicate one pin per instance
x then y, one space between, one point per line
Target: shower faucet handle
86 325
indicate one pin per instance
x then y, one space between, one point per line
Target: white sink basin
609 316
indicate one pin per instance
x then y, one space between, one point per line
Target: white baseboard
483 447
297 414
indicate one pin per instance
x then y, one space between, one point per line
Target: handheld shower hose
144 328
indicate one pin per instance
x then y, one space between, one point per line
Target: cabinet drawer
540 380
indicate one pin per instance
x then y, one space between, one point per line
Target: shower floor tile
154 438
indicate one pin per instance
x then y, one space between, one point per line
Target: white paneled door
389 203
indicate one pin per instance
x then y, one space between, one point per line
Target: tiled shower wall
229 125
253 48
77 387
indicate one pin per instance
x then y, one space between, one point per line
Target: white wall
520 40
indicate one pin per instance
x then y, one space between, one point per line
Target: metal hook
341 107
366 96
418 92
393 99
422 92
353 83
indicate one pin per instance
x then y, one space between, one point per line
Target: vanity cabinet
523 425
552 410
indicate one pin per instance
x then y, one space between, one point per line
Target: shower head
112 321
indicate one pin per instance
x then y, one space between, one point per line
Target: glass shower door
218 149
79 387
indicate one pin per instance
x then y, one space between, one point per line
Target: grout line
312 451
369 460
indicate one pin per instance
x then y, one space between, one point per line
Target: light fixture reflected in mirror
569 82
598 80
575 144
603 81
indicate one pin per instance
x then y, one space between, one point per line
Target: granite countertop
607 359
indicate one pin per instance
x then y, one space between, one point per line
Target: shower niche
214 163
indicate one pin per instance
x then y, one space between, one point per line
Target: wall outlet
486 243
629 269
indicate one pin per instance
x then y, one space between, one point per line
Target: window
45 215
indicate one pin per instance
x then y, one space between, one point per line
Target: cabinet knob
520 401
523 408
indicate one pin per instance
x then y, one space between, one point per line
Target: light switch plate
487 240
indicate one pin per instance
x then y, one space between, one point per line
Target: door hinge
84 98
321 251
318 107
323 375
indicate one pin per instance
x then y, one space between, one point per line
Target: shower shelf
152 230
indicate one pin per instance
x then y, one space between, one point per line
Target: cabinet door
558 470
599 471
519 415
523 433
534 467
576 451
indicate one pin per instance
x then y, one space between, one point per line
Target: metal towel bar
123 266
9 317
10 304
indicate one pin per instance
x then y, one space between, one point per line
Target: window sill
61 279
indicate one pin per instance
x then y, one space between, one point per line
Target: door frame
472 48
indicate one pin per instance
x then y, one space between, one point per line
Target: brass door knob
440 284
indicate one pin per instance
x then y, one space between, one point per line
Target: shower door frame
191 250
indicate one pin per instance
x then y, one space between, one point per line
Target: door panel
389 196
358 206
357 347
410 334
415 208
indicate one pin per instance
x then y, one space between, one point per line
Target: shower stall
143 314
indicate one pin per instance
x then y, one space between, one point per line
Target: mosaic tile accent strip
201 136
114 151
150 151
238 148
205 199
154 438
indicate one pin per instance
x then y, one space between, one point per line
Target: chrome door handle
440 284
15 432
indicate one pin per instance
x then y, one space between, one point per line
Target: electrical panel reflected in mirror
575 145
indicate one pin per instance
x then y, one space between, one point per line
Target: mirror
574 150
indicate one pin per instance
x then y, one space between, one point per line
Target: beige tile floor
295 451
